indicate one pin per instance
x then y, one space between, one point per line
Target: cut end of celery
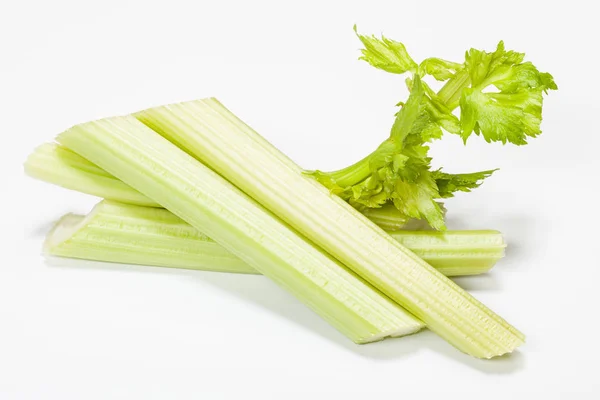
64 229
405 331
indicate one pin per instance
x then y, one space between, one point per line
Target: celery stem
450 92
353 174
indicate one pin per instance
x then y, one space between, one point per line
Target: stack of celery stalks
190 185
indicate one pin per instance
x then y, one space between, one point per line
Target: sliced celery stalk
211 133
57 164
124 233
143 159
455 253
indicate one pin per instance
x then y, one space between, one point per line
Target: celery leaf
511 114
448 184
500 98
386 54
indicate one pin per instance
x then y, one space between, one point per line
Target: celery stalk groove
210 132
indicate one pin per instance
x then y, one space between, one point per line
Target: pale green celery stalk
140 157
455 253
210 132
125 233
57 164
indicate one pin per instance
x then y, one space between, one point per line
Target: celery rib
58 165
124 233
210 132
148 162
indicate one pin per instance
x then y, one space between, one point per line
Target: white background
290 69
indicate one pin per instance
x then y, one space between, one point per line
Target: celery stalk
58 165
210 132
124 233
143 159
455 253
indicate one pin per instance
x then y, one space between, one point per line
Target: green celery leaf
448 184
417 199
500 98
441 115
409 113
386 54
399 170
485 68
512 114
441 70
501 117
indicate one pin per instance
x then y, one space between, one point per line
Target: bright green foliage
386 54
448 184
515 112
399 170
500 98
441 70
